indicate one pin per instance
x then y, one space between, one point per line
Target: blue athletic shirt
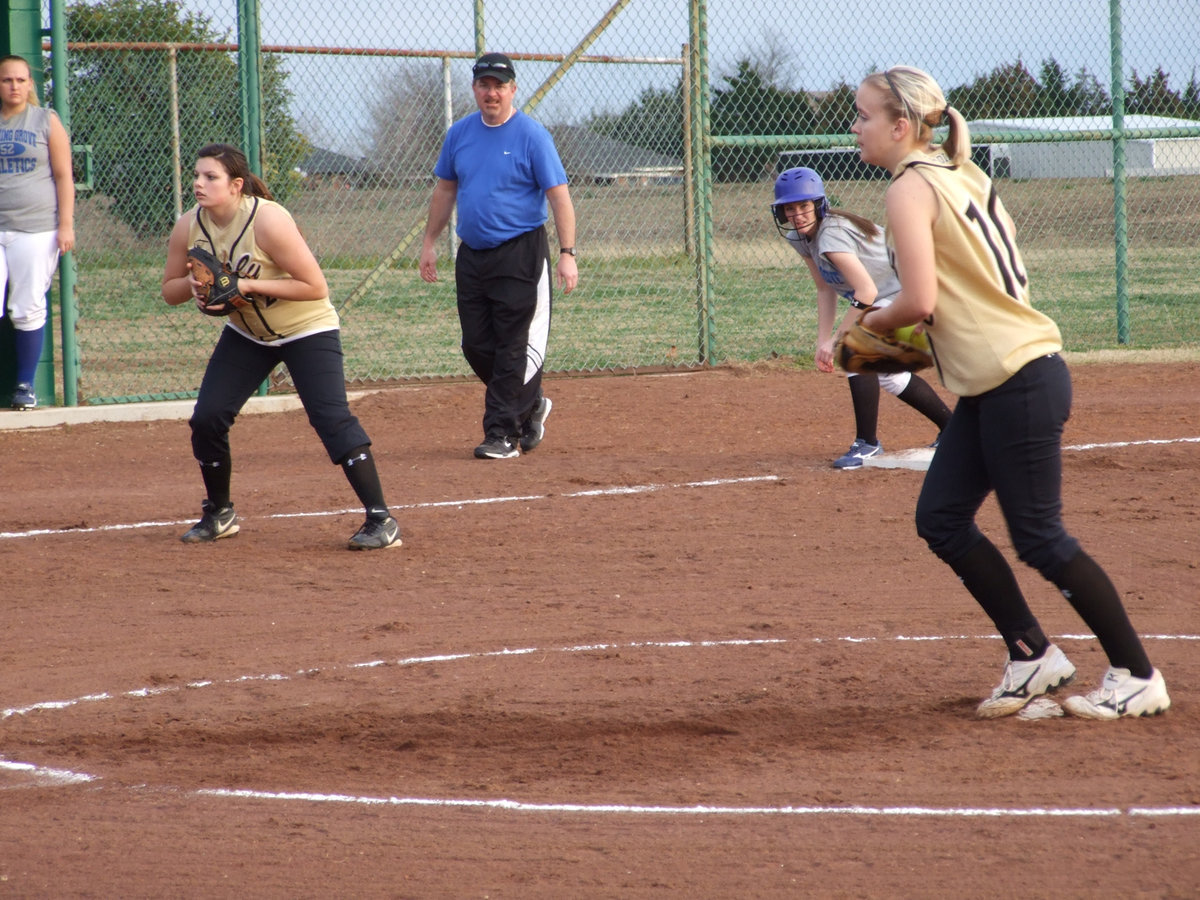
503 173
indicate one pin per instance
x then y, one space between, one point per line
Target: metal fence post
68 305
702 175
1120 209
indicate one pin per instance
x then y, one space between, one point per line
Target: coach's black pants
239 365
504 299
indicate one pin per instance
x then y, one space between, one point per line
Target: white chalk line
702 810
148 692
151 692
479 501
615 491
1147 442
50 775
43 775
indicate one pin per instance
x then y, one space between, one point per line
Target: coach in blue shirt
501 167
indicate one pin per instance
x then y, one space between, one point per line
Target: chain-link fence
672 120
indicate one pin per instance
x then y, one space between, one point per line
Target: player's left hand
218 284
863 349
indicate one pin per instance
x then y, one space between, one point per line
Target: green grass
637 303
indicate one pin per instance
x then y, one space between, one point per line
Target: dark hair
865 225
234 162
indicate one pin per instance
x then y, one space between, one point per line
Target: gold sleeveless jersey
983 329
269 320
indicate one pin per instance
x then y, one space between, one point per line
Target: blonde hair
909 93
32 98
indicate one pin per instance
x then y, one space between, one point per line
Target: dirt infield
670 653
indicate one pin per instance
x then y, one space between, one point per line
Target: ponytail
256 187
862 223
957 144
234 162
912 94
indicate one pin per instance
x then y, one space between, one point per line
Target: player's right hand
825 357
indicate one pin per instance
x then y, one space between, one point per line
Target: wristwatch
570 250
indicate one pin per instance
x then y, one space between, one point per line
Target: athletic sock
217 475
363 475
864 394
988 576
28 351
1090 591
925 400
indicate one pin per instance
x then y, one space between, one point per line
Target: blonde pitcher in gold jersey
962 275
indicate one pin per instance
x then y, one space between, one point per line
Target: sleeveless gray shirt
28 201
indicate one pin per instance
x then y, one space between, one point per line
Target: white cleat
1025 680
1120 694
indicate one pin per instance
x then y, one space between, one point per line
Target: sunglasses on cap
495 68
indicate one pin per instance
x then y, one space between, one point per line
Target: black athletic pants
238 366
504 300
1007 440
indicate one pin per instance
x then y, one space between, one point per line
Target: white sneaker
1120 694
1025 680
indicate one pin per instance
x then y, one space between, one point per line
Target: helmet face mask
796 186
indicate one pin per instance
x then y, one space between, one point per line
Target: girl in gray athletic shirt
847 257
37 214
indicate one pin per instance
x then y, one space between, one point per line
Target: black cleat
213 525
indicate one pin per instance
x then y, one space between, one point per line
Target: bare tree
774 59
408 122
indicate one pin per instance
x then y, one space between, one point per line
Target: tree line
748 102
119 100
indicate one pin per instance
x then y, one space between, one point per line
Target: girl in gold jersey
962 275
290 321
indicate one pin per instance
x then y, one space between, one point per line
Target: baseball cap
494 65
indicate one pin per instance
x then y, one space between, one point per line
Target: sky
822 43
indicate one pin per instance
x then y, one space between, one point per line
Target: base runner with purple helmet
847 257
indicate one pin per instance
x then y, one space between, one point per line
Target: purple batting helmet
795 186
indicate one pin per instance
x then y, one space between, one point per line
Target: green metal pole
570 59
702 178
250 81
480 33
68 303
1120 208
249 77
21 35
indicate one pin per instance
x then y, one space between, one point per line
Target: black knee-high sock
864 394
989 578
1090 591
925 400
363 476
217 475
